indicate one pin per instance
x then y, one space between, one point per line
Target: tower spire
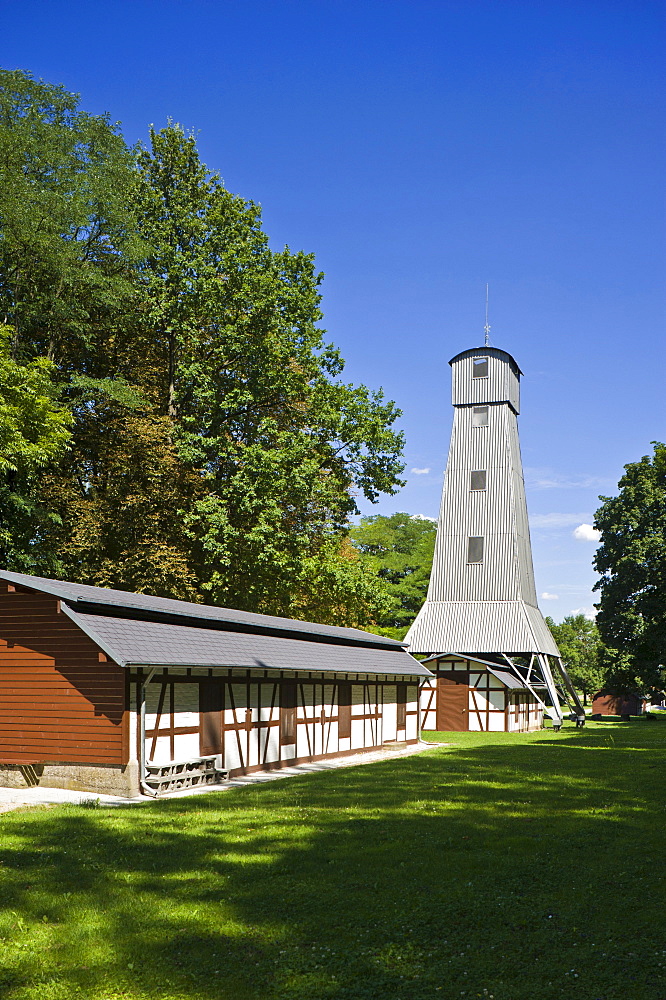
486 328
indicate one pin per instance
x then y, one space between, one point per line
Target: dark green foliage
632 562
399 550
578 641
34 430
67 236
215 453
499 862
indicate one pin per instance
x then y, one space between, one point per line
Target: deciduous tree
399 550
632 562
215 451
580 645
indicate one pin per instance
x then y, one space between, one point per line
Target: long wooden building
118 692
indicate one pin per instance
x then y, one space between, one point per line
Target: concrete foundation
105 779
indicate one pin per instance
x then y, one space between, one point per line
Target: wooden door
452 705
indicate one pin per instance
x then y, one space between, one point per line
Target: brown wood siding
401 710
344 710
452 704
58 702
288 713
211 706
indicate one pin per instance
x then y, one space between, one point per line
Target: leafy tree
580 645
399 550
67 236
251 388
34 430
215 452
68 246
632 562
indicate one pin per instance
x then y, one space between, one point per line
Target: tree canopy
399 550
215 452
632 562
580 645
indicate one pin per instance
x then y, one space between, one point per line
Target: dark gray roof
77 594
132 642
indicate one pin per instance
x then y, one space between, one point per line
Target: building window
479 416
480 368
477 479
474 549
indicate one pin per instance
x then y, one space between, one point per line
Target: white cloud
590 613
423 517
420 472
586 533
556 520
549 597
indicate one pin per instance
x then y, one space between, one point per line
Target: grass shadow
526 866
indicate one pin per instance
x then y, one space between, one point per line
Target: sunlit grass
517 865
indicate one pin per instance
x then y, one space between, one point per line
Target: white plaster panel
231 751
496 722
186 705
357 733
496 699
186 746
162 753
495 682
474 724
267 692
152 695
481 700
273 744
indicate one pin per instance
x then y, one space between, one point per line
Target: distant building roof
138 629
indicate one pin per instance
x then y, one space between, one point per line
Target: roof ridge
80 594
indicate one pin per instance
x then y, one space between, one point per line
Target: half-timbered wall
487 703
489 706
258 720
524 713
60 700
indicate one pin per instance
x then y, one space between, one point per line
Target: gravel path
15 798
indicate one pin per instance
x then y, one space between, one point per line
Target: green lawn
512 867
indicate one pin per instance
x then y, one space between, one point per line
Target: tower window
479 416
480 368
474 549
477 479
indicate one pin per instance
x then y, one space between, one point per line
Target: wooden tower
482 597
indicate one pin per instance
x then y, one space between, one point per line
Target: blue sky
421 150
